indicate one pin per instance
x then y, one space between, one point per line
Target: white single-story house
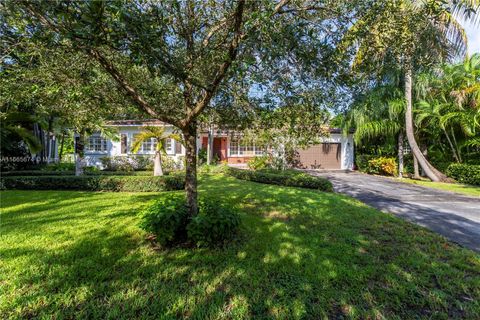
335 152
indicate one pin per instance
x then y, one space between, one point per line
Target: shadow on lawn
300 254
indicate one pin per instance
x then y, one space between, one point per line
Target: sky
473 35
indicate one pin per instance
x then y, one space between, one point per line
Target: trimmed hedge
24 173
464 173
288 178
96 183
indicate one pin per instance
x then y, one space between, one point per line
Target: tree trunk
62 143
416 171
409 129
400 154
79 154
49 140
157 164
190 137
456 146
454 152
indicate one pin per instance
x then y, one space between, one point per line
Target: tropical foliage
449 106
408 36
446 110
157 136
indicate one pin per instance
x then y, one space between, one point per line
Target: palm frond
140 138
29 138
376 129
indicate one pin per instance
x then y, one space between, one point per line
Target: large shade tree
175 58
413 35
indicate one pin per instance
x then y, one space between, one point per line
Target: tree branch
109 68
223 68
129 90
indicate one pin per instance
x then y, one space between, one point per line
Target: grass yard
453 187
300 254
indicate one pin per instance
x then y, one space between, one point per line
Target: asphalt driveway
455 216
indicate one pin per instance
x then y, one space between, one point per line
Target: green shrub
166 219
212 169
464 173
136 162
62 166
213 225
202 156
258 163
96 183
289 178
383 166
361 161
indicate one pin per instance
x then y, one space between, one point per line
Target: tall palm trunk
190 137
416 171
456 145
400 154
157 164
426 166
450 143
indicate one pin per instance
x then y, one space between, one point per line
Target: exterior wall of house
220 146
347 148
114 147
346 142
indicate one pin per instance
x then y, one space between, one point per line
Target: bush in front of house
126 163
168 220
290 178
383 166
259 162
88 172
464 173
361 160
96 183
138 163
214 224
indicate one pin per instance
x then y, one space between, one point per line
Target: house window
96 144
234 147
259 151
149 145
169 145
243 148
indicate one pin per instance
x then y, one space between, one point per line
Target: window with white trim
149 145
96 144
243 148
169 145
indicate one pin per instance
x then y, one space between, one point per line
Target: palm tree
159 136
450 100
16 123
412 34
377 113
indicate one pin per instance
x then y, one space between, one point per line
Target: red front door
220 148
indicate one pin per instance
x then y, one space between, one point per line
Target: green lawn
300 254
453 187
